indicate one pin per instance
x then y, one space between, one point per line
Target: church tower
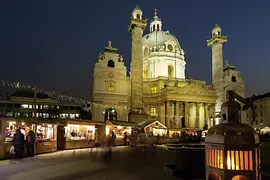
216 43
111 87
136 28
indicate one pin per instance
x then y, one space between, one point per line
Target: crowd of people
19 144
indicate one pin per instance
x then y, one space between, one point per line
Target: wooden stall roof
152 123
82 122
31 120
121 123
52 121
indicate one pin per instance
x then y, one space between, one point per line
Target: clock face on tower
111 74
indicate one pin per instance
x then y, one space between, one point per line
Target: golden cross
155 11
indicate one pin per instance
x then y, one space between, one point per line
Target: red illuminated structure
232 148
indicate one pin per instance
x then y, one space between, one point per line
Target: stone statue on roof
110 44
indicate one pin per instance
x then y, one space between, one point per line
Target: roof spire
155 11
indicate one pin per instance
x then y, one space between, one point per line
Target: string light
19 85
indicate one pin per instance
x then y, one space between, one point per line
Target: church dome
160 39
161 49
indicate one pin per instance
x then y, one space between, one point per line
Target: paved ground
83 164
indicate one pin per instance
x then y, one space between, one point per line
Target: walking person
113 138
30 143
108 148
18 143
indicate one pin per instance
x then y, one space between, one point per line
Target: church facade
157 82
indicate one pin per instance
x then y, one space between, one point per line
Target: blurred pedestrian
18 143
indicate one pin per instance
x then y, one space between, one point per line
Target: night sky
54 43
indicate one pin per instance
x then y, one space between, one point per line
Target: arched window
145 73
138 16
233 79
170 47
224 117
110 114
111 64
158 27
154 27
170 71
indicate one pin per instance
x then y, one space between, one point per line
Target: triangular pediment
193 89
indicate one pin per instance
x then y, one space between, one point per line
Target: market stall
175 133
46 138
265 130
79 135
10 129
153 128
120 128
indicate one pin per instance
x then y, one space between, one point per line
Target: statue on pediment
167 82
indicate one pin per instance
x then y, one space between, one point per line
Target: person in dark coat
30 138
18 143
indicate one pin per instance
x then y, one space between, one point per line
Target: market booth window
120 128
79 135
46 138
12 126
80 132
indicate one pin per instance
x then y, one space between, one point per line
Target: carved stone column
167 113
177 118
161 113
136 28
186 115
181 113
206 115
197 115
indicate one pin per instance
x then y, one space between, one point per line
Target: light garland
19 85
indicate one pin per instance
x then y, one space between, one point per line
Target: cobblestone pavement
83 164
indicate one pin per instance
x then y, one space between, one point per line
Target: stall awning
265 129
121 123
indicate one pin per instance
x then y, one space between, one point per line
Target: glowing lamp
232 148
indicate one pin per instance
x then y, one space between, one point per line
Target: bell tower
216 44
136 28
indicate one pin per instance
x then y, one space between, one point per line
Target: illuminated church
157 85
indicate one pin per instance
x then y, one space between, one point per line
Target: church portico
185 114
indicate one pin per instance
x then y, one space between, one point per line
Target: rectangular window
221 159
228 160
232 160
241 157
110 87
246 160
152 111
213 158
250 161
237 160
153 90
25 106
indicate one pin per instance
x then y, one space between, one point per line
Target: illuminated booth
153 127
265 129
232 148
79 134
119 128
45 133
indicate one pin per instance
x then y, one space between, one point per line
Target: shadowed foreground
127 163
